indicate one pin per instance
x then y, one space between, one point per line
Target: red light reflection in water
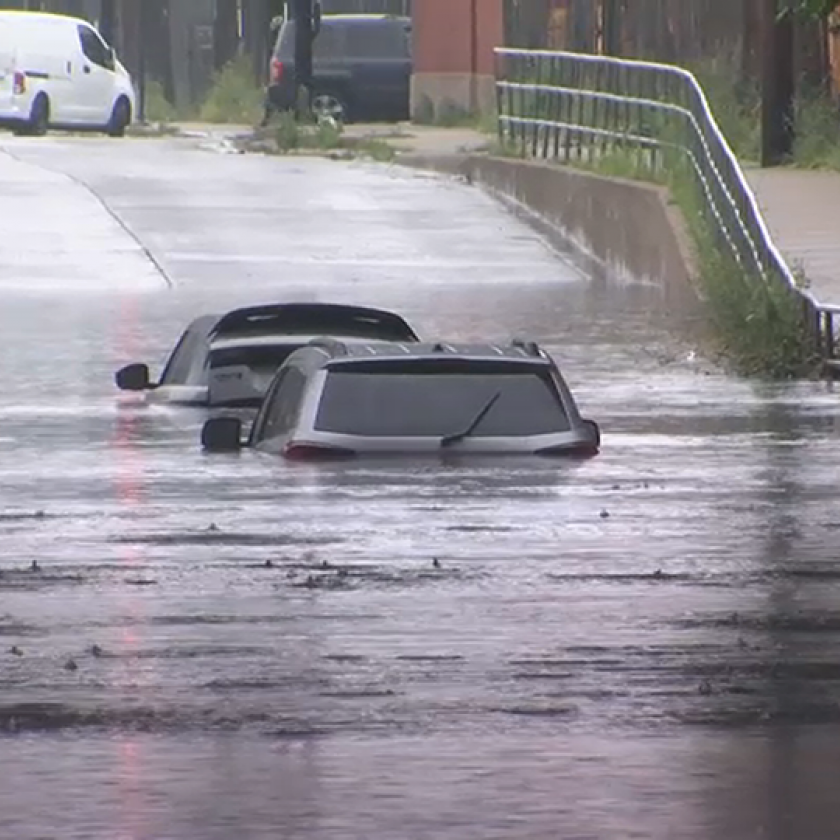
130 490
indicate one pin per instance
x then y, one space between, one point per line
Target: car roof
276 340
518 351
23 14
313 319
346 17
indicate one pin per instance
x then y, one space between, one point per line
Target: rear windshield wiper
458 436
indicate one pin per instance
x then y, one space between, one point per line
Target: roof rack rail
327 343
530 347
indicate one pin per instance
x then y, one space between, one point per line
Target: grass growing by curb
288 135
757 324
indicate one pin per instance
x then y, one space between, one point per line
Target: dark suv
361 68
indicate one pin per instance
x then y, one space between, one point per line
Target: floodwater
200 647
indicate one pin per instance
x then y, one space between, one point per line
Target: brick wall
453 56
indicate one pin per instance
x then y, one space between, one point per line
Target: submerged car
231 360
334 398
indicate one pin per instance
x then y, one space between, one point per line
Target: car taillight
303 451
276 71
19 83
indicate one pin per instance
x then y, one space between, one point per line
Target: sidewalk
802 210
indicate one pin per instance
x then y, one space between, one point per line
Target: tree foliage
810 8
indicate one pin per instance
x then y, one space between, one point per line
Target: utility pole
141 32
304 35
610 27
778 85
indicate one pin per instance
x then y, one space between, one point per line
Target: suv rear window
343 39
255 358
330 43
439 403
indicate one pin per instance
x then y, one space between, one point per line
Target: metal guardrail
576 107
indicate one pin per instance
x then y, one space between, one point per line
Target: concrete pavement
801 207
802 211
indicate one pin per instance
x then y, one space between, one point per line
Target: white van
58 72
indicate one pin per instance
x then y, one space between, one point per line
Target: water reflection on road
641 645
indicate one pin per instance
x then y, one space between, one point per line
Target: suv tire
329 103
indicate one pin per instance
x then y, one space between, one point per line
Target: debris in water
269 564
15 651
213 527
70 665
325 564
436 563
96 650
605 514
658 573
705 688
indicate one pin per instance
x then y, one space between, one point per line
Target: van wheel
39 117
327 103
120 119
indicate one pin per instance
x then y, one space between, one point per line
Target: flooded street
192 647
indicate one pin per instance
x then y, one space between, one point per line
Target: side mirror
594 431
222 434
133 378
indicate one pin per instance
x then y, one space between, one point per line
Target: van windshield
439 403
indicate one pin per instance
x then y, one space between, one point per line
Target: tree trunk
777 86
225 32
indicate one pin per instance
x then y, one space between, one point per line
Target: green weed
235 96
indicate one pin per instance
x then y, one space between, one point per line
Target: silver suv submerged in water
231 360
334 399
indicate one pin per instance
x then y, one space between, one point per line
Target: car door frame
94 78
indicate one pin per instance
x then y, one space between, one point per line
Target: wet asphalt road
643 645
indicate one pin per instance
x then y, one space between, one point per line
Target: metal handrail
561 105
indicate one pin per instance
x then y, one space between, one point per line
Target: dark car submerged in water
230 360
335 399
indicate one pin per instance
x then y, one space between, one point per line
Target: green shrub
287 132
758 321
817 143
235 96
158 108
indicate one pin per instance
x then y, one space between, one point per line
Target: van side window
386 41
93 47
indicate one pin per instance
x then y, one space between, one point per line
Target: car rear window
439 403
255 358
